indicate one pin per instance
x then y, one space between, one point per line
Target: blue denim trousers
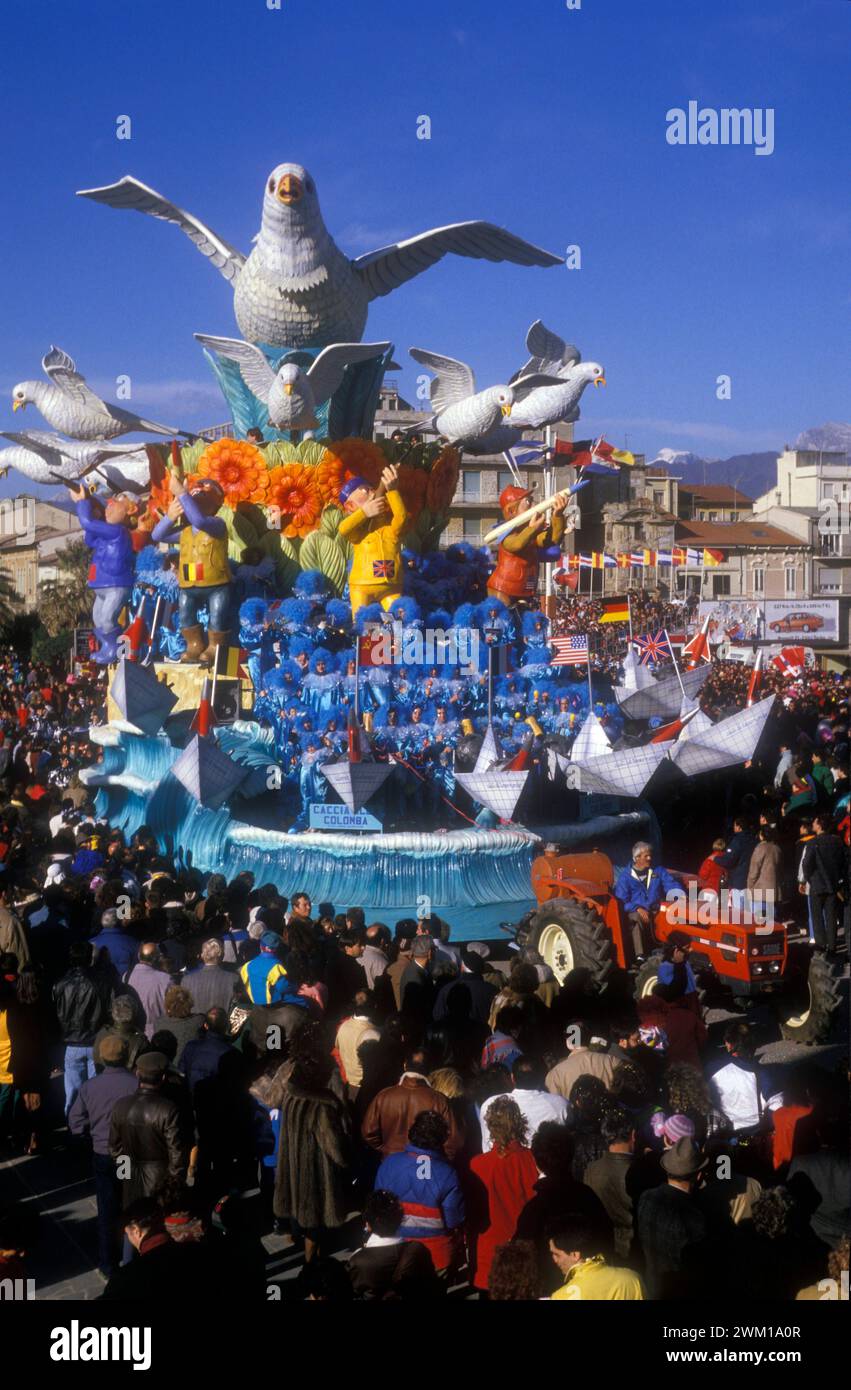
107 606
217 600
79 1067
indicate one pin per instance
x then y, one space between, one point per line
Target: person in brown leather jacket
393 1111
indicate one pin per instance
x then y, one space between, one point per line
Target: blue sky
696 261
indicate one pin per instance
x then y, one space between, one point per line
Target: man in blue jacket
641 890
111 572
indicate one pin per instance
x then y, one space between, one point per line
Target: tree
9 600
65 602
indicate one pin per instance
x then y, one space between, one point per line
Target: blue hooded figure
321 686
111 569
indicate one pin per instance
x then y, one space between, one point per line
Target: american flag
570 651
654 647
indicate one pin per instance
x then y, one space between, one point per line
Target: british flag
383 569
571 650
654 647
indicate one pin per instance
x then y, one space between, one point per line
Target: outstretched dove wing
523 386
130 193
254 369
326 373
384 270
550 353
62 371
453 380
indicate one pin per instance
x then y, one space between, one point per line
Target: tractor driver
641 890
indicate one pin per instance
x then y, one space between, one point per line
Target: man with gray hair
641 890
210 984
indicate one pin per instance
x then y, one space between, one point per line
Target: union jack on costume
383 569
654 647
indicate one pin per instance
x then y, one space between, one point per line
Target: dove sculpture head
22 394
289 377
589 371
290 204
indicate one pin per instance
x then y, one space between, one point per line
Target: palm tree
65 602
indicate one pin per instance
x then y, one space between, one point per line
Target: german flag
615 610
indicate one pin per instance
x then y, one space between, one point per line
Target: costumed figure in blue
112 566
321 686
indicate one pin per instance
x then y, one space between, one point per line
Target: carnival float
305 680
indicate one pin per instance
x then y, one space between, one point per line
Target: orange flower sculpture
293 490
238 467
328 475
360 458
413 483
443 480
159 500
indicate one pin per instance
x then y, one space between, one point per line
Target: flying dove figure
292 394
551 355
69 405
462 414
47 458
296 288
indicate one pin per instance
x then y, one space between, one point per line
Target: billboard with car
799 619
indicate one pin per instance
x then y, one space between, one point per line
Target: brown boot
215 639
194 638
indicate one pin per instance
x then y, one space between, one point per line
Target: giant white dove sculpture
69 405
296 288
292 394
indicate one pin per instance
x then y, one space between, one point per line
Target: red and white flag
790 661
756 678
697 649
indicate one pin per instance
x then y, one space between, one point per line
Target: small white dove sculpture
69 405
47 458
291 394
461 413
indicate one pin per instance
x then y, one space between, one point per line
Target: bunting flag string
643 559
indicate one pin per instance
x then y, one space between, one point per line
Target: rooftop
730 534
716 492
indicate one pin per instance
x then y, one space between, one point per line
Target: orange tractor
579 925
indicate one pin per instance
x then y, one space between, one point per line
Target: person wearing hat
91 1114
376 538
670 1219
111 574
264 977
515 578
149 1137
204 576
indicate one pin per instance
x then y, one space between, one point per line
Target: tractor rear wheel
809 1007
647 976
569 935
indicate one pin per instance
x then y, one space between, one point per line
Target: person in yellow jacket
203 574
574 1246
373 525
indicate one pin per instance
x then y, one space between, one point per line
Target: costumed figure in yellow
373 524
204 574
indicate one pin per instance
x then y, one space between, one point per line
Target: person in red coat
711 874
679 1021
502 1181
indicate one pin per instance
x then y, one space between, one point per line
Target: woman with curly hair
502 1181
589 1100
686 1093
514 1272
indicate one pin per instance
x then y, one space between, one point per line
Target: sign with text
324 816
802 620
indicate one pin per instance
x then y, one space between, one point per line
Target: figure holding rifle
522 549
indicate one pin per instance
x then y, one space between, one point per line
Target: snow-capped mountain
833 435
752 474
